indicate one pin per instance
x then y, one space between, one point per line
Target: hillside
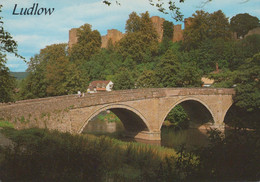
19 75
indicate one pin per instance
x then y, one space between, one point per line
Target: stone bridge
142 111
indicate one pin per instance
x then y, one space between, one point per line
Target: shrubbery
41 155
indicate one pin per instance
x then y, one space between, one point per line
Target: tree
189 75
167 30
7 82
141 40
123 80
89 43
248 85
57 63
147 79
167 36
219 26
7 45
205 26
51 73
242 23
212 52
167 70
178 117
75 79
245 79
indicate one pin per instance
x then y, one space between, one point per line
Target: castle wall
177 33
158 25
253 31
116 35
112 34
73 39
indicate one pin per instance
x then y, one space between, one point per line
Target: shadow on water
173 138
169 136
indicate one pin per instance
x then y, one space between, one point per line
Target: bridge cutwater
142 111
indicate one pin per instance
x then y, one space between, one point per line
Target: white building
100 86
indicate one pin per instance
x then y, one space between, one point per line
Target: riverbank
54 156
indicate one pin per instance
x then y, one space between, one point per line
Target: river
169 137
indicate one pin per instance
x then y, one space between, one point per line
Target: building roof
99 83
207 81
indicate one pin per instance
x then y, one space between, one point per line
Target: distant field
19 75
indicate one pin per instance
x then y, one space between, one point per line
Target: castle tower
112 34
73 39
158 25
177 33
187 22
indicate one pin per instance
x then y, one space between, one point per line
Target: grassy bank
54 156
42 155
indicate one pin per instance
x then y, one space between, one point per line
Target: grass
155 149
6 124
52 156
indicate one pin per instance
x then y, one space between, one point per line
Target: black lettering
30 10
40 11
23 12
49 11
36 9
15 10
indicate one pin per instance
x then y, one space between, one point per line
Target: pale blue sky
33 33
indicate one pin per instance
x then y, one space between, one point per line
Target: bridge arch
131 118
187 99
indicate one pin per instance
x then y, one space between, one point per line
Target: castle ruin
116 35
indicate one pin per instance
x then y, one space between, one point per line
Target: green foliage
242 23
5 124
89 43
206 26
178 117
53 156
47 72
123 80
141 40
167 69
248 85
234 157
147 79
7 43
109 117
7 82
167 30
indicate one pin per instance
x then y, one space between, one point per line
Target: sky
35 32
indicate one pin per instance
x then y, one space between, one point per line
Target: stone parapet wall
70 113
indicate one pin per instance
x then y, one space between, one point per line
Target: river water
169 137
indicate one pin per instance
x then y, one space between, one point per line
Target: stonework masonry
253 31
116 35
158 26
142 111
73 39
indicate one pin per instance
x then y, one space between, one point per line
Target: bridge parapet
126 95
68 113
